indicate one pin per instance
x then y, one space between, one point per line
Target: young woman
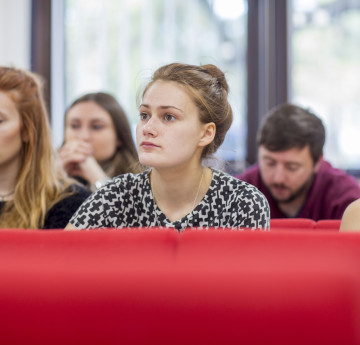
98 143
34 191
184 116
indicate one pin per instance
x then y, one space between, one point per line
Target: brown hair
125 158
40 182
209 90
288 126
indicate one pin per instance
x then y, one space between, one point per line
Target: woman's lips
147 144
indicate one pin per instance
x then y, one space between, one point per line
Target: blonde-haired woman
35 193
183 119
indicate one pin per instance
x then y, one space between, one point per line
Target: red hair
40 181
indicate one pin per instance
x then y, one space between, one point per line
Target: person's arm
77 160
351 218
93 173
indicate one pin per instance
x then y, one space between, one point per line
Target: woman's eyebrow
170 106
162 107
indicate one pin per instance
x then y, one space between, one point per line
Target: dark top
59 215
127 201
331 192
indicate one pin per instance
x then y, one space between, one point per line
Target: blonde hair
40 182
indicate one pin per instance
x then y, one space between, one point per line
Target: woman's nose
84 134
150 127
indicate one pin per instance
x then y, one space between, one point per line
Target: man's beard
300 191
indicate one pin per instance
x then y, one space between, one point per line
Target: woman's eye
98 127
74 126
169 117
144 116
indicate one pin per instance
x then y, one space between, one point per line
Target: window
326 72
114 46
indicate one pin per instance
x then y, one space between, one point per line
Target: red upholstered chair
269 287
328 224
79 287
292 224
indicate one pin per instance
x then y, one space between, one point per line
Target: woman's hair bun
216 73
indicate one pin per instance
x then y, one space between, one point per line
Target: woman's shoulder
74 195
351 217
236 188
128 179
224 178
77 190
60 213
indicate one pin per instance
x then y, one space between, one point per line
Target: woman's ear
208 134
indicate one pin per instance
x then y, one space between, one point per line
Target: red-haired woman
35 193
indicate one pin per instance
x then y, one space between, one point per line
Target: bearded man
291 170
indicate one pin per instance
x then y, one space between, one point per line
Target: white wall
15 50
15 33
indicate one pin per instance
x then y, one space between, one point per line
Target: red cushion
328 224
291 224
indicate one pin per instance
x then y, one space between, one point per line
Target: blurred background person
98 143
351 217
292 172
34 190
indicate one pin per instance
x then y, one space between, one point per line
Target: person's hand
78 160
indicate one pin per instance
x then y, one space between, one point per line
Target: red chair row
159 287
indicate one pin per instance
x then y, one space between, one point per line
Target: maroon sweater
331 192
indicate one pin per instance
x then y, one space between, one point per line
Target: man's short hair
289 126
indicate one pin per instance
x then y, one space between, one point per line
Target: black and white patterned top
127 201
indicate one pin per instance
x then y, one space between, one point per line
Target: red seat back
159 287
292 223
328 224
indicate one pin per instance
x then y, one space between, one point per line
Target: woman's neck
8 177
7 189
178 192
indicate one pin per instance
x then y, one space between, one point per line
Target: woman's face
10 134
169 133
88 122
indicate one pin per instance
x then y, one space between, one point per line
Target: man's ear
318 163
208 134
